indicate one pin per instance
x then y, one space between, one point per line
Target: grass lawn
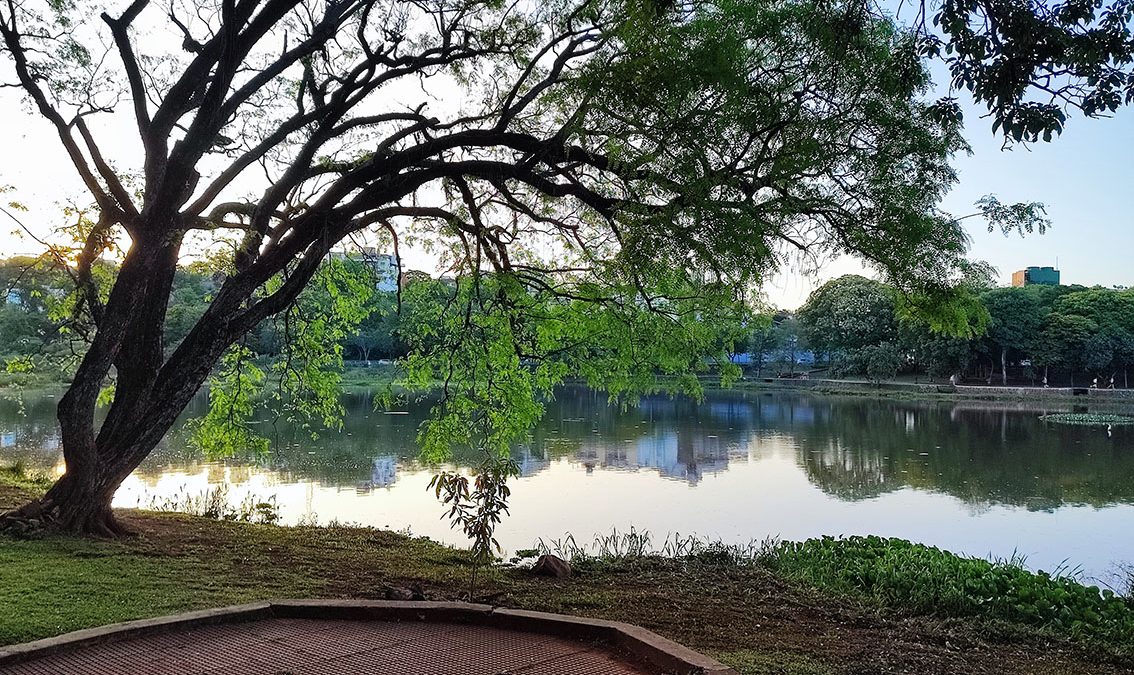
761 619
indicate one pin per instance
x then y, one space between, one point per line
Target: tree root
39 517
26 521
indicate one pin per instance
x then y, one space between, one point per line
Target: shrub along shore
857 605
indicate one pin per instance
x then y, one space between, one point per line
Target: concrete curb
652 649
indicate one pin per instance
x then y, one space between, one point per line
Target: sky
1083 178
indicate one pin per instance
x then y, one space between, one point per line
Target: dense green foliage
847 314
29 293
1068 334
908 577
32 325
1030 63
927 580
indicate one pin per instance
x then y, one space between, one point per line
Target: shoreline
941 392
379 376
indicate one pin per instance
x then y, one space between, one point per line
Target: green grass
18 477
374 376
90 584
58 584
772 663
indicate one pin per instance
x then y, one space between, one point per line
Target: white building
383 265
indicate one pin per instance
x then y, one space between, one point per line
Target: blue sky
1085 178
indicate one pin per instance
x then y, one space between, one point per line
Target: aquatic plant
214 503
1088 419
926 580
895 573
627 545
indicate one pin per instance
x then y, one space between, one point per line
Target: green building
1043 276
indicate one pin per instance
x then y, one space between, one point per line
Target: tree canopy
1033 332
1028 63
848 313
602 178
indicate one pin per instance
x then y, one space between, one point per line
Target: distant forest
849 327
1070 335
36 321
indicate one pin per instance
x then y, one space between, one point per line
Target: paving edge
649 647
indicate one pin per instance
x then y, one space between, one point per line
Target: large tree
849 313
1113 313
1016 320
576 162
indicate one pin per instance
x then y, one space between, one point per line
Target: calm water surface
975 478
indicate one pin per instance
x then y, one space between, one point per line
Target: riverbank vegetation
1033 335
851 327
40 341
822 606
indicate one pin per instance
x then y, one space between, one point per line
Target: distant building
383 265
1033 276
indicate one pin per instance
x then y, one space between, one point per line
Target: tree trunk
151 390
79 503
99 458
1004 366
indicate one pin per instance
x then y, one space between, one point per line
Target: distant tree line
35 323
850 327
856 327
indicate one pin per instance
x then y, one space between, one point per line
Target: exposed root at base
36 517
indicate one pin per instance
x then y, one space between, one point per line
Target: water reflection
739 464
852 449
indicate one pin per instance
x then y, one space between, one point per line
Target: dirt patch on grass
745 616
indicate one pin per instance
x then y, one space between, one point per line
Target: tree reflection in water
851 448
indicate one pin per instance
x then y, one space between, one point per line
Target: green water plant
900 575
927 580
1088 419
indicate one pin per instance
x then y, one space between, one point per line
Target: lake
977 478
